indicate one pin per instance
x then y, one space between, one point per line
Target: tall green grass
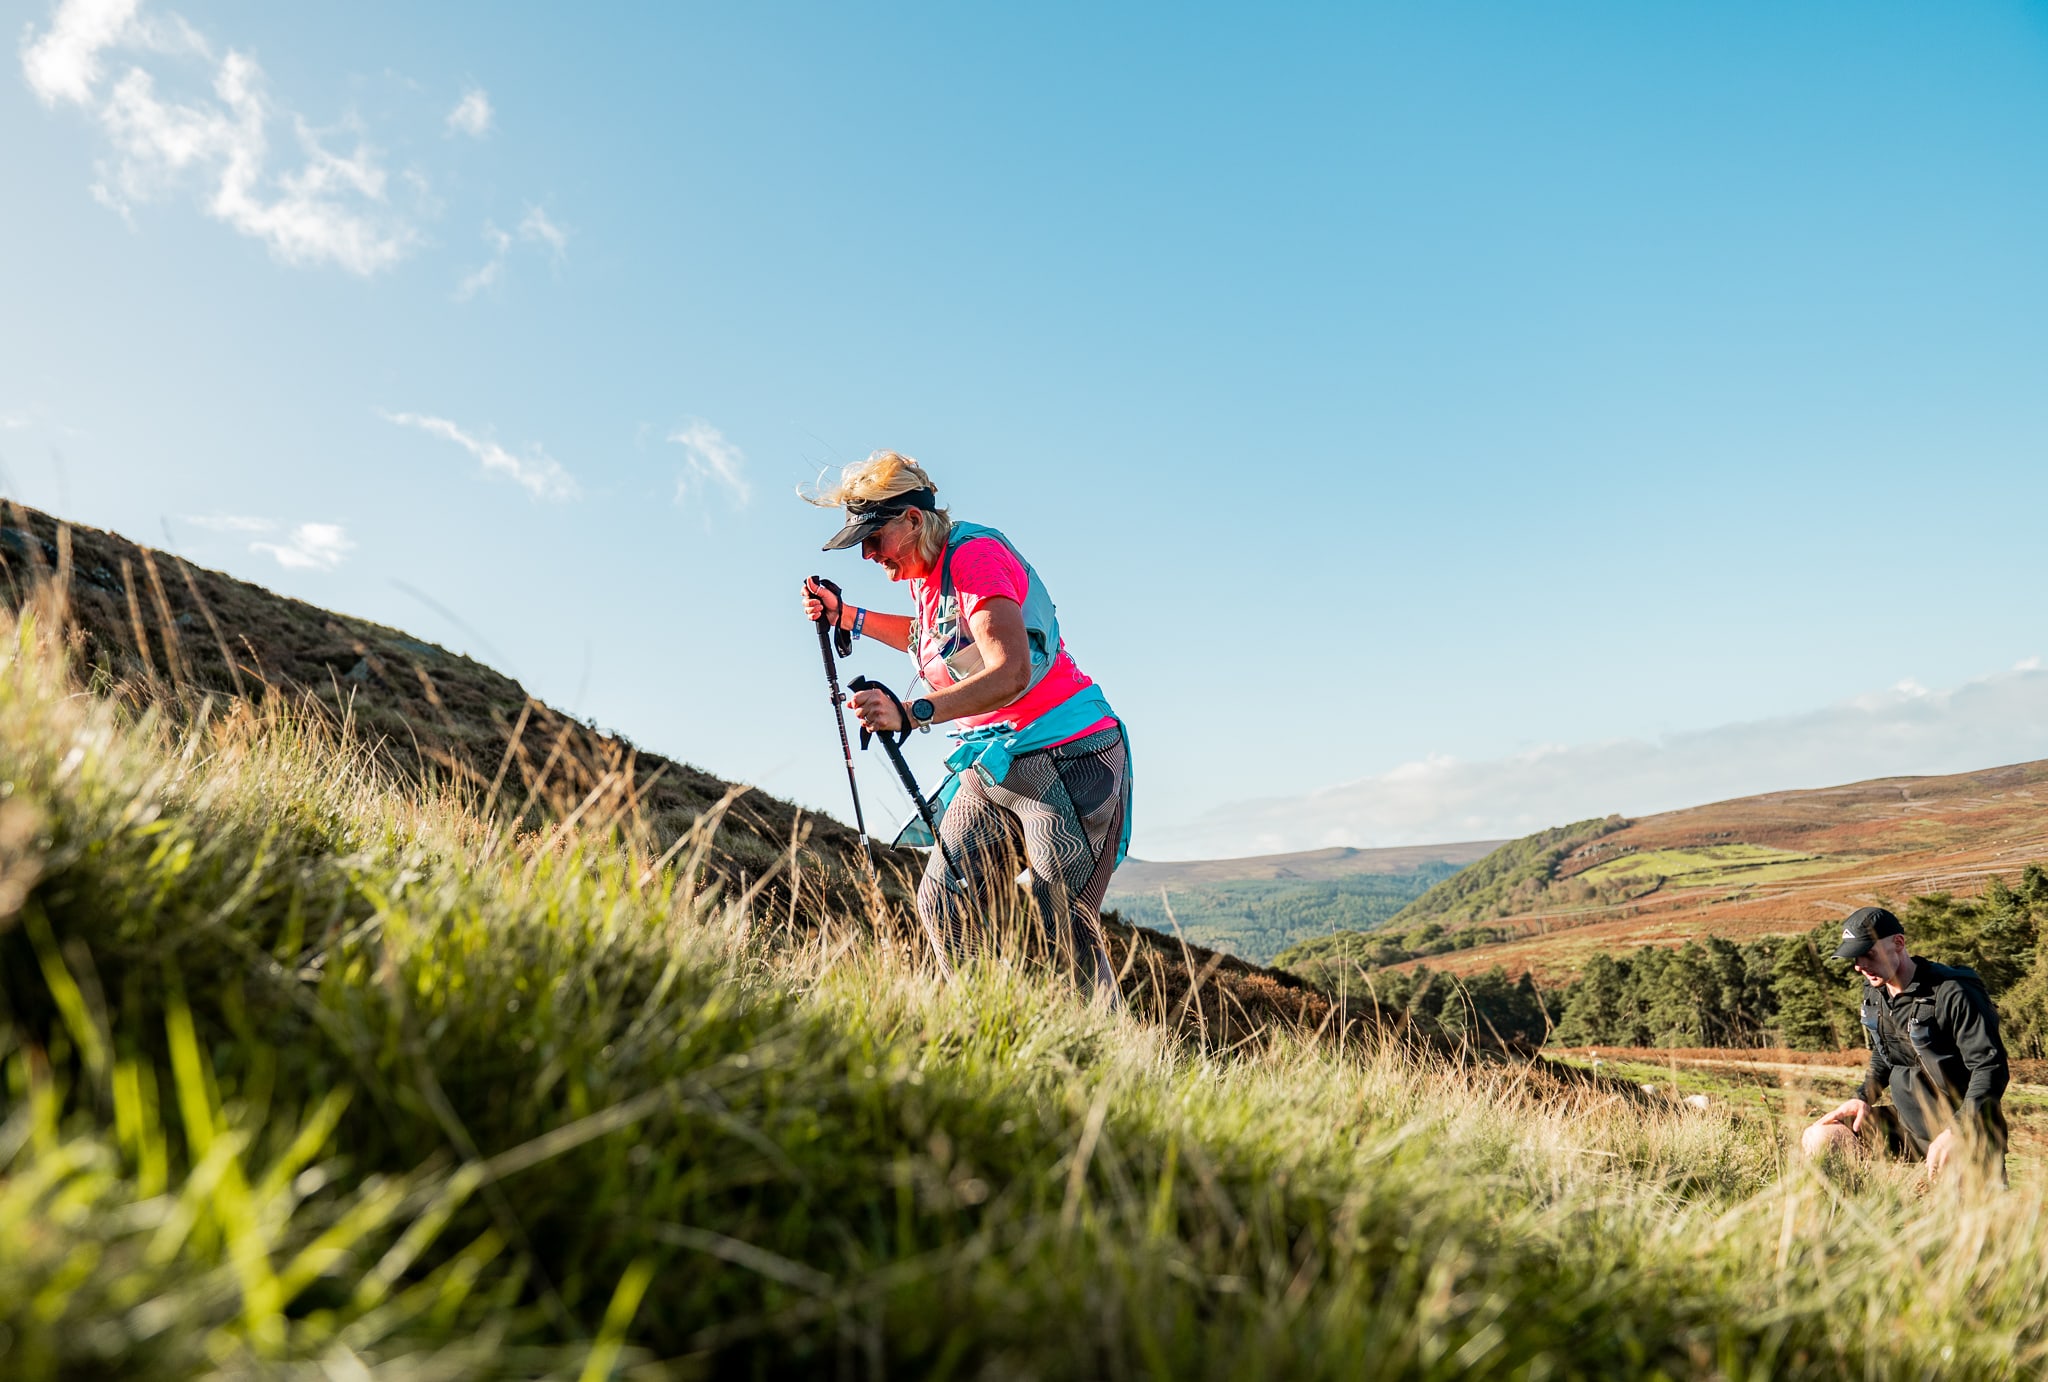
306 1075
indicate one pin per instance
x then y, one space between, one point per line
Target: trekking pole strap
841 638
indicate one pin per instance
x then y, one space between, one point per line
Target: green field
1702 866
310 1075
1256 919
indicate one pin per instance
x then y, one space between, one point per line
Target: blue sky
1389 395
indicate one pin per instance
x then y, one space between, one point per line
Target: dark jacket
1935 1046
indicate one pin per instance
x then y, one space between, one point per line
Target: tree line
1773 991
1790 991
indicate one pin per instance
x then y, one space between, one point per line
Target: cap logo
1849 935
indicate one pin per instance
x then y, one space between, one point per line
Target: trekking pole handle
865 683
892 743
841 638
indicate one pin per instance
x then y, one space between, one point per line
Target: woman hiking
1041 768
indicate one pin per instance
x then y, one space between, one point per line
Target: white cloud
472 115
311 547
708 458
64 64
539 474
1909 729
329 209
13 422
492 270
230 523
534 228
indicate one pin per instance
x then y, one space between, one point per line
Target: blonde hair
884 475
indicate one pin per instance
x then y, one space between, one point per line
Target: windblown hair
884 475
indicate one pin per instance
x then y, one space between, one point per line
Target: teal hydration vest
989 748
956 646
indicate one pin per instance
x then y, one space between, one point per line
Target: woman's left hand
876 711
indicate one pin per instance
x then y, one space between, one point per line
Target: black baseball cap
863 516
1863 929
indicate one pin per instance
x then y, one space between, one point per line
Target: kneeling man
1933 1043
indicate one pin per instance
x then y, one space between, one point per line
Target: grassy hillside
1511 879
148 625
307 1068
148 629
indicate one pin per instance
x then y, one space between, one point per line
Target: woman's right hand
820 603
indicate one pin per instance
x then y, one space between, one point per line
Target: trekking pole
892 744
825 640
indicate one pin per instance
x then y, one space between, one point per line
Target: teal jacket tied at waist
989 751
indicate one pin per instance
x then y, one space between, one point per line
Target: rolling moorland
324 1059
1257 907
1775 864
1712 928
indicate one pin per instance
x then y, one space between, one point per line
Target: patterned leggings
1057 812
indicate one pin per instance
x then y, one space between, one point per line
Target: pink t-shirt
983 568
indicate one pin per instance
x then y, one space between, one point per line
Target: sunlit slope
1772 864
304 1072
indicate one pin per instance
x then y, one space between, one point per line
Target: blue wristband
860 617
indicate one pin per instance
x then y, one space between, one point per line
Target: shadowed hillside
149 626
161 628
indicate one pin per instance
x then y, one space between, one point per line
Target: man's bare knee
1825 1140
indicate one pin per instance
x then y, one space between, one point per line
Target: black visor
863 516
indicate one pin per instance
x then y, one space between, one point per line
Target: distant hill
1776 863
1256 907
1147 876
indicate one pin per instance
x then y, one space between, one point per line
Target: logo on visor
1850 936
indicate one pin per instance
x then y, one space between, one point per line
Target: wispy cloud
13 422
1907 729
331 208
472 114
64 63
229 523
538 473
492 269
311 547
534 229
709 459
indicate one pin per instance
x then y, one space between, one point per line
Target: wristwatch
921 712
